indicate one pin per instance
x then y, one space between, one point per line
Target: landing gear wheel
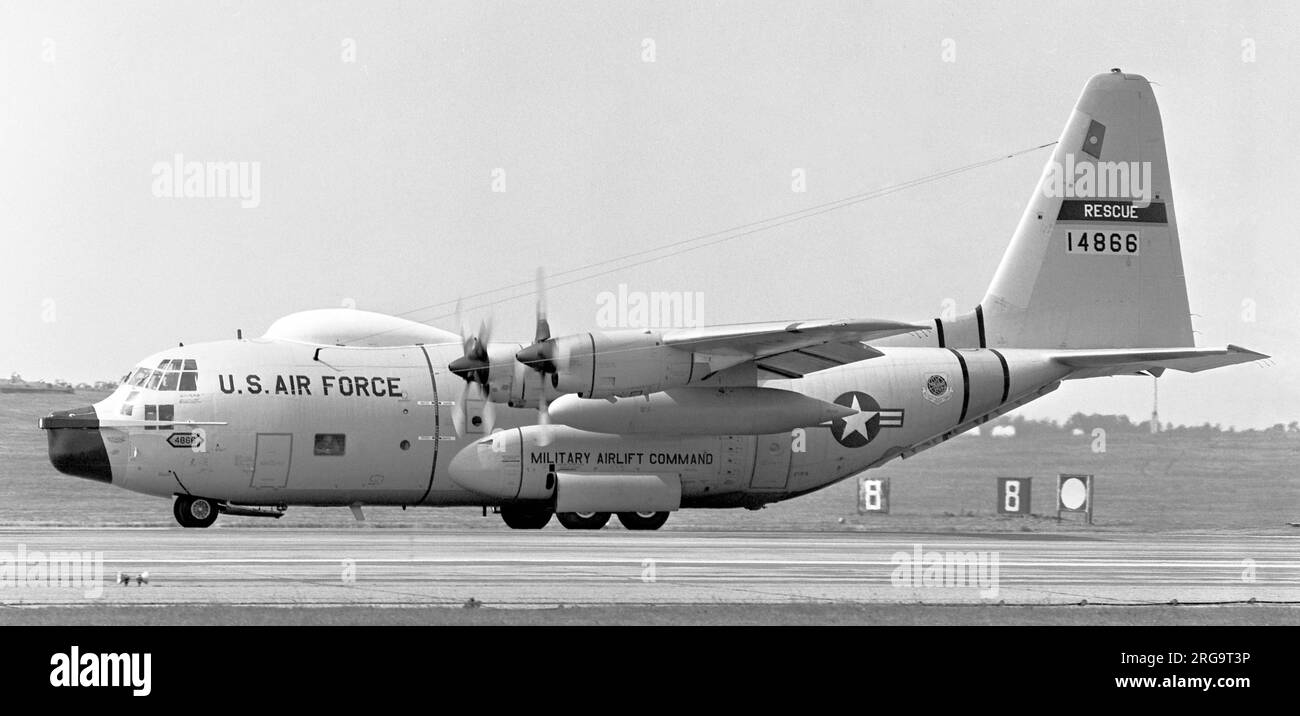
526 517
194 511
583 520
643 520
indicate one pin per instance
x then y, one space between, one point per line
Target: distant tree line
1118 424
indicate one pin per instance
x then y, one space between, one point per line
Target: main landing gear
531 517
526 517
193 511
583 520
643 520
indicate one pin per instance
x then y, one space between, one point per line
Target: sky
412 153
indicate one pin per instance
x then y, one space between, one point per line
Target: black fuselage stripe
433 469
979 321
592 394
1006 374
938 327
521 461
965 385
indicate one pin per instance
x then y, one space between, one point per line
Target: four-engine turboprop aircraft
345 407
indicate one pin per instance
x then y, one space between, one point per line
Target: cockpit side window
154 379
189 379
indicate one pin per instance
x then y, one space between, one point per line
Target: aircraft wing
802 361
1090 363
789 349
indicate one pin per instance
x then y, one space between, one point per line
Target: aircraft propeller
540 356
474 367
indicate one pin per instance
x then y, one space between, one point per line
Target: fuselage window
330 443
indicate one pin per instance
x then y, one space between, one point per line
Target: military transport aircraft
351 408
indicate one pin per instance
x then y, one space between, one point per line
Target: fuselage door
271 464
771 462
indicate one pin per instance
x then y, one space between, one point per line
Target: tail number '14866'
1101 242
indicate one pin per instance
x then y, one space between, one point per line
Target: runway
399 566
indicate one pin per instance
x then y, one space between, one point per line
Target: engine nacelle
511 382
619 363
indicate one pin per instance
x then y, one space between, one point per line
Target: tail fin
1095 261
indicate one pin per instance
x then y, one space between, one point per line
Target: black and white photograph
644 322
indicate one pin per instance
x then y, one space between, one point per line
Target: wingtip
1246 351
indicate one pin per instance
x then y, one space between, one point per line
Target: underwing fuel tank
698 411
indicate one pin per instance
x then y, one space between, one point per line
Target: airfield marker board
1074 494
873 495
1014 495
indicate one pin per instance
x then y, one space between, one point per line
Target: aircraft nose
75 444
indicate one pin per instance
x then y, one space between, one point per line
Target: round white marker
1073 493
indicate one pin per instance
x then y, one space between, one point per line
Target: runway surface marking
389 567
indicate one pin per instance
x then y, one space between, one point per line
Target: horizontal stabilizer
1092 363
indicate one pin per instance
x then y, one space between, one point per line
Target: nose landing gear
191 511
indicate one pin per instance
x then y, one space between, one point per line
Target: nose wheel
193 511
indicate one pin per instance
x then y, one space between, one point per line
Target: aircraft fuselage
284 423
